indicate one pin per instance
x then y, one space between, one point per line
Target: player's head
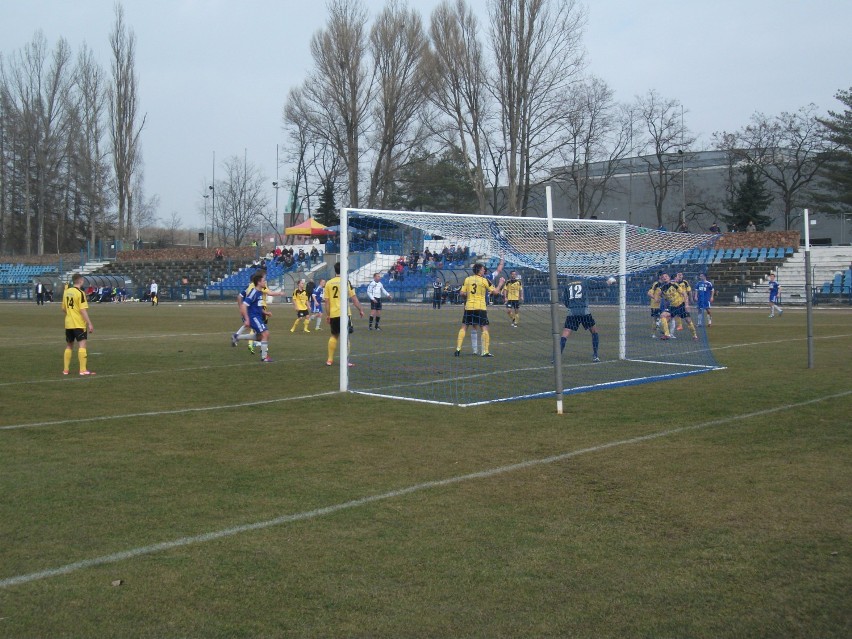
513 275
322 281
665 278
301 284
772 276
377 277
258 278
678 277
77 280
702 276
337 268
479 269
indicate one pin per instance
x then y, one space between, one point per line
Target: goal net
407 349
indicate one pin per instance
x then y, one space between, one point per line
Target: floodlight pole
556 327
809 289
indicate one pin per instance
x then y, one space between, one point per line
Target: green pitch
226 498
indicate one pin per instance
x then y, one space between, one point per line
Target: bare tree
338 94
597 133
90 155
398 44
37 87
459 91
538 54
666 141
240 199
788 150
123 119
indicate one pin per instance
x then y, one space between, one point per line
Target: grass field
234 499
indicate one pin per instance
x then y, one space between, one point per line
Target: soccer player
774 296
704 294
77 320
513 293
685 290
331 307
655 296
253 314
675 305
375 290
475 289
316 304
575 297
300 303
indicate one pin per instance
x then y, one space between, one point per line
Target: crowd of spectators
429 261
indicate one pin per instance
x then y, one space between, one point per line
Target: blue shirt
575 296
773 291
253 300
705 291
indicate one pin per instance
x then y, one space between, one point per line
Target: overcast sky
214 74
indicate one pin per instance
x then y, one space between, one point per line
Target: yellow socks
486 342
68 354
83 356
460 338
332 346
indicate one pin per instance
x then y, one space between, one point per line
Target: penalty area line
370 499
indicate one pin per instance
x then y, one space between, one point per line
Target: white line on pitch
363 501
175 411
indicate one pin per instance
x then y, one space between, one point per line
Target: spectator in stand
315 255
751 228
683 227
219 255
714 228
303 260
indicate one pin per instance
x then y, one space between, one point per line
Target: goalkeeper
575 297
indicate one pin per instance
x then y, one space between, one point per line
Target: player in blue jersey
575 297
703 295
316 304
253 312
774 296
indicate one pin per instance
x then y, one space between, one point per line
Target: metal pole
555 324
808 290
205 196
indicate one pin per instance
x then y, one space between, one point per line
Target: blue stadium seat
837 284
771 253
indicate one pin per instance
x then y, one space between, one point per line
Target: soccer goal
423 260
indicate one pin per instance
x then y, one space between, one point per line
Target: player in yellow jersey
513 293
475 289
300 303
331 309
655 296
74 305
685 290
674 306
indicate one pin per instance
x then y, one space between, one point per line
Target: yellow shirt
654 294
672 293
332 296
73 301
476 287
300 299
513 290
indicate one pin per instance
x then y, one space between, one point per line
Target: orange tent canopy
308 227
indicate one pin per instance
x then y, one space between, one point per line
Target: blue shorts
257 324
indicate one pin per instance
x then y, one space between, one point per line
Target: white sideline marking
175 411
328 510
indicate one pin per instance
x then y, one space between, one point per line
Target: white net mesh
423 260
